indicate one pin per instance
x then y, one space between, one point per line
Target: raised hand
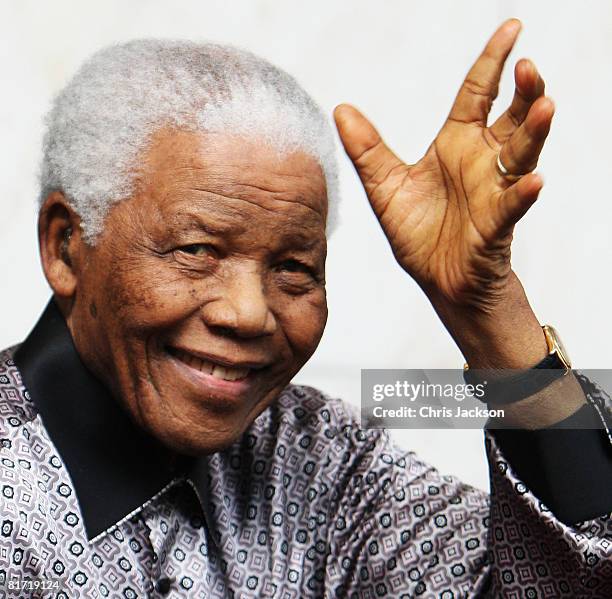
450 217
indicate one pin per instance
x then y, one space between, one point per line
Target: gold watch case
555 345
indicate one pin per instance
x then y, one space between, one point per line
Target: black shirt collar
114 465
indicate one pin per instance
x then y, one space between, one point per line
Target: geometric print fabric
305 504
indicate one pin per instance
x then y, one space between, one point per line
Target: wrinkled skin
450 217
220 252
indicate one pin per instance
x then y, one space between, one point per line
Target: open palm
449 218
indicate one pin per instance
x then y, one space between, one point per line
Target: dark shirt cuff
567 466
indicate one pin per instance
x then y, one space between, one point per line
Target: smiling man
204 294
152 444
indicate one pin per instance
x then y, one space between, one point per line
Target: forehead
232 176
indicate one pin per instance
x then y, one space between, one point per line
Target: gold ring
503 171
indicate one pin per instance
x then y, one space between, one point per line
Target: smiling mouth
219 371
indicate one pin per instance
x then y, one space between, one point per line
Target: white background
401 62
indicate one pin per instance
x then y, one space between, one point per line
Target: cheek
303 321
144 296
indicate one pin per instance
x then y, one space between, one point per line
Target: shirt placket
162 525
139 543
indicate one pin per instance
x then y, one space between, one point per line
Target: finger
479 89
521 152
517 199
374 162
529 86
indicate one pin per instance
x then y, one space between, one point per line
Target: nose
241 307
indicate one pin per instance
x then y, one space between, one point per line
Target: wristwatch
523 383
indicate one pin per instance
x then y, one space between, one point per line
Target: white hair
104 117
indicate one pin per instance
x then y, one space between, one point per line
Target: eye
199 249
295 266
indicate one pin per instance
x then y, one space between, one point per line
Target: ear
59 237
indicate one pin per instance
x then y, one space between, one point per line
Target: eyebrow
306 242
210 225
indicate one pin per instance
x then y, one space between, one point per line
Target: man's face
205 293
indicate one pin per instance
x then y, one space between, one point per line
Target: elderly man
152 443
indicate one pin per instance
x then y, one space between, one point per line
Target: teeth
206 367
221 372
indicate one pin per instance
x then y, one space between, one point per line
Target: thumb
373 160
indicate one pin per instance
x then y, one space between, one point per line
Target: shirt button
163 585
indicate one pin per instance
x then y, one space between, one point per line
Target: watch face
556 345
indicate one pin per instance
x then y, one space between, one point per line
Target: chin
194 424
185 442
199 432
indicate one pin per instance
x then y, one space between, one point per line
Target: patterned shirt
304 504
